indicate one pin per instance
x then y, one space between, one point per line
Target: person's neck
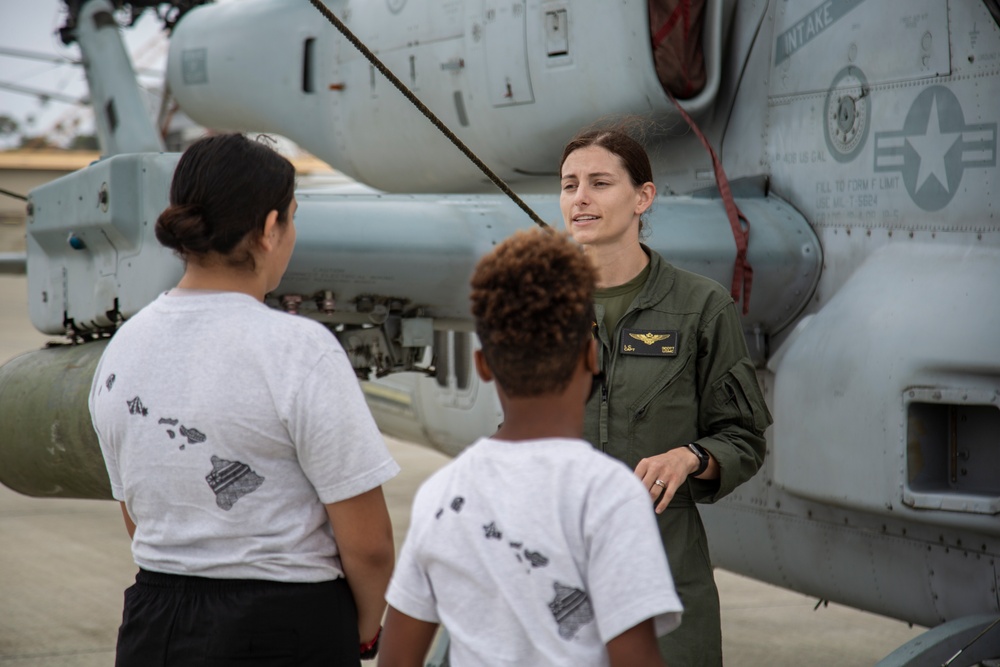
221 278
538 417
616 265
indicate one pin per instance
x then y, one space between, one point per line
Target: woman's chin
583 234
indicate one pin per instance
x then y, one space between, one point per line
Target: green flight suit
661 394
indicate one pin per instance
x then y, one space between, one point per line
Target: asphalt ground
65 563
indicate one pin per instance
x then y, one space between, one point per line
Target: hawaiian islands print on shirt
570 607
229 480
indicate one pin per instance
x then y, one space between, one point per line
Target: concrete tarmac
65 563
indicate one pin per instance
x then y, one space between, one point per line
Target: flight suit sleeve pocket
739 392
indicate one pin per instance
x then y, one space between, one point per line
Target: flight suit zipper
607 351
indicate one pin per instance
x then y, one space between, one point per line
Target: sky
32 25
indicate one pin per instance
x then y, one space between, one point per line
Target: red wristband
370 649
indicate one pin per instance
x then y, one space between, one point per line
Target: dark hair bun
182 227
223 189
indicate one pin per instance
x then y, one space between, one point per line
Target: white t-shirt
225 426
534 553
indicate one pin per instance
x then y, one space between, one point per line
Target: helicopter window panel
952 452
556 34
194 66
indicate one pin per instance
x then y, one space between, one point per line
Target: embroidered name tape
649 343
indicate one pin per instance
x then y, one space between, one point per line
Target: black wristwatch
703 458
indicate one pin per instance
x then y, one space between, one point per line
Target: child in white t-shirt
531 547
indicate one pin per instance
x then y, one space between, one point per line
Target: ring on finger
660 484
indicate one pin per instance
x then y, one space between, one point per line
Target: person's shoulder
694 282
471 453
606 482
433 492
302 325
148 316
294 327
599 467
693 289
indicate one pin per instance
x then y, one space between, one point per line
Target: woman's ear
647 193
482 368
269 238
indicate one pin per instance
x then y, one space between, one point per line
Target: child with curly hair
531 547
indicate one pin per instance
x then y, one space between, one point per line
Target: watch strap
703 458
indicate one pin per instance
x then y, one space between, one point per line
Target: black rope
373 59
962 650
13 194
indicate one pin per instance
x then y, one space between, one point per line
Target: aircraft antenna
373 59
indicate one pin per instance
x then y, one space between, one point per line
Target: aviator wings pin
655 343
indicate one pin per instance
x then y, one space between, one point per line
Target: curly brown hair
532 298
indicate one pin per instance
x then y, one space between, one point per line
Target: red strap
742 272
671 21
686 11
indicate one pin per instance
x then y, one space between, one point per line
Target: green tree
39 141
8 126
84 142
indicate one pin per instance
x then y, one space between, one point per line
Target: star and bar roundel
935 147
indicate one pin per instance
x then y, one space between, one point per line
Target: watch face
395 6
703 458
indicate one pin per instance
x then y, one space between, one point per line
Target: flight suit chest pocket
650 360
661 381
661 412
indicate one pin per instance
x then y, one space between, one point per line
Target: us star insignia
649 338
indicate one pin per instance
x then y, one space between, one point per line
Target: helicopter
857 138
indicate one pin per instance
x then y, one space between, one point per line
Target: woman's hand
664 473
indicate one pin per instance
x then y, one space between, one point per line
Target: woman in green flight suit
679 402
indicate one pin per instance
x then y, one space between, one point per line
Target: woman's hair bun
182 228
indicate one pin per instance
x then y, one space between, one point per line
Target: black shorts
198 622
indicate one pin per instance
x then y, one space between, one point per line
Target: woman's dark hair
532 298
223 188
617 142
